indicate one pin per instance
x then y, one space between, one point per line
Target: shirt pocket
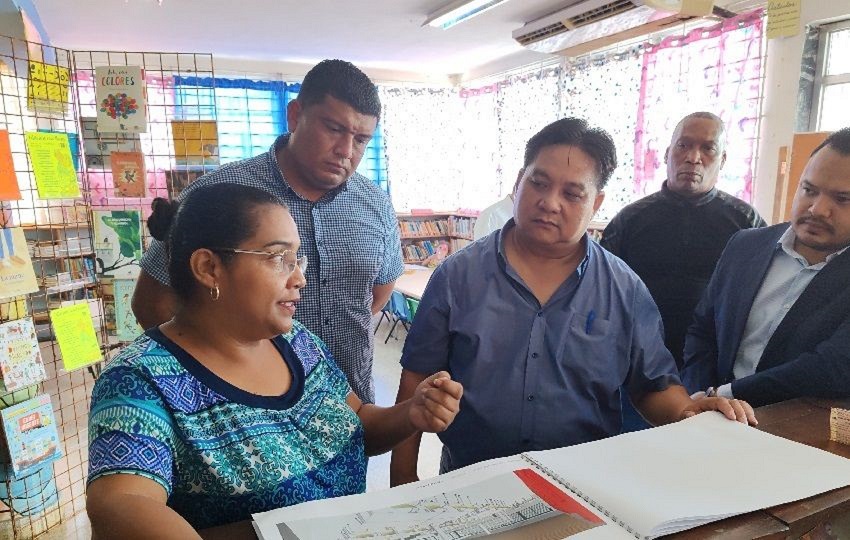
362 265
592 352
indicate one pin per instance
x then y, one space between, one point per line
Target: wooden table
801 420
413 281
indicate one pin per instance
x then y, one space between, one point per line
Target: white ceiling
381 36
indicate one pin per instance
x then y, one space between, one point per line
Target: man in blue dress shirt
541 325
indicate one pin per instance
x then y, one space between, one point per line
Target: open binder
641 485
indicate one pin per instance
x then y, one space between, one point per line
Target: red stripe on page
553 496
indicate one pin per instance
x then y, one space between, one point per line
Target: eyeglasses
285 262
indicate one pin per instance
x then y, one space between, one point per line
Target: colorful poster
17 275
47 88
31 433
128 173
75 333
120 99
20 356
118 242
195 142
53 165
9 190
99 146
126 326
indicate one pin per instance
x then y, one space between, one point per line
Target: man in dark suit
774 322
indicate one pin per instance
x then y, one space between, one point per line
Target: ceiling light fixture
459 11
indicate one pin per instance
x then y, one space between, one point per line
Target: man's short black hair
343 81
595 142
838 141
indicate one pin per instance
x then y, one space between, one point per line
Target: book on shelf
118 242
641 485
128 173
120 99
31 435
17 275
20 356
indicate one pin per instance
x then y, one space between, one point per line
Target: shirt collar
786 243
503 256
279 143
674 197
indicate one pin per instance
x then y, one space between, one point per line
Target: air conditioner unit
593 24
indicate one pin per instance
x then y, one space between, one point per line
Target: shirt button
325 281
539 313
534 355
327 320
531 397
321 242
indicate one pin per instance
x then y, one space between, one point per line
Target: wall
782 74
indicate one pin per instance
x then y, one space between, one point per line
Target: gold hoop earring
215 292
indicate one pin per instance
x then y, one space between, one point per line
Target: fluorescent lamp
459 11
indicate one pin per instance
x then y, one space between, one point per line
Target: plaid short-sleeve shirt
351 239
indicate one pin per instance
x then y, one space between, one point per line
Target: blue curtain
250 115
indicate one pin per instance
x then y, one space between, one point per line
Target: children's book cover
9 190
17 275
31 434
125 322
195 142
20 357
47 88
120 95
118 242
128 173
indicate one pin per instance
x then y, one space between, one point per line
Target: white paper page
491 483
705 467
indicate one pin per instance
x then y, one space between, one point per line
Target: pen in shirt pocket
588 326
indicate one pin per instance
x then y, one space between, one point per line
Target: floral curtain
604 91
716 69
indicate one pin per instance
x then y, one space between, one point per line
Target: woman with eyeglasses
232 407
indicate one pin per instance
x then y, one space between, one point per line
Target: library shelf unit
422 233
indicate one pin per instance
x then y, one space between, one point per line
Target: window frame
822 80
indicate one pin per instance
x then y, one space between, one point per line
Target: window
832 82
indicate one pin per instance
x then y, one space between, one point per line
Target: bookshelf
422 233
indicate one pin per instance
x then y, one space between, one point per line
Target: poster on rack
74 331
17 275
47 88
31 434
120 99
125 322
52 165
128 173
20 356
99 146
195 142
118 242
9 190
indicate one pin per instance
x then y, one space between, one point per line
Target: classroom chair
412 306
400 312
386 313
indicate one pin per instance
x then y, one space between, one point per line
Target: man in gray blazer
774 322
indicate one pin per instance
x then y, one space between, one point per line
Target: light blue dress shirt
787 277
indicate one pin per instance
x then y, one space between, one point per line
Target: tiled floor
387 372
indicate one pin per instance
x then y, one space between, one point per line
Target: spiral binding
585 498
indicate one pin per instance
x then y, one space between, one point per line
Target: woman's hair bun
162 217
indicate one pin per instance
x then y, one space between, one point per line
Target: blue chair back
399 306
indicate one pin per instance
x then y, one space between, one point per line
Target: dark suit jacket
808 354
